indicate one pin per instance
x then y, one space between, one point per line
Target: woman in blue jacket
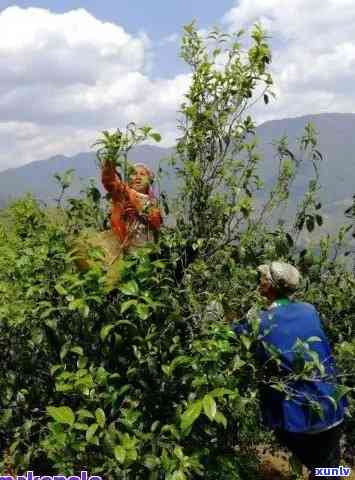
305 409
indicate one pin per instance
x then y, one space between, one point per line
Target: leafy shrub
149 381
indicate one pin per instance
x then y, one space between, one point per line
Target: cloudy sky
69 69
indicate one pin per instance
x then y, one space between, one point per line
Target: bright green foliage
108 382
217 157
149 381
114 147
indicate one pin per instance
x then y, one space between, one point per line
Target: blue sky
159 18
69 69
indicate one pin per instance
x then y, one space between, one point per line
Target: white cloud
313 52
64 77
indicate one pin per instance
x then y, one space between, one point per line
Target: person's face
140 180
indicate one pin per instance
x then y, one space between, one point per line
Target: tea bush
148 380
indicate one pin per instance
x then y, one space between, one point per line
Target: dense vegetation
147 380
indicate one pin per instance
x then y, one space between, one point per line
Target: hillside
37 177
336 142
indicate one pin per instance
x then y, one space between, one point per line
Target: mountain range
336 141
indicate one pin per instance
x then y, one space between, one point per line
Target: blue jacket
280 327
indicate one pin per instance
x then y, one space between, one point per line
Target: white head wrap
143 165
281 275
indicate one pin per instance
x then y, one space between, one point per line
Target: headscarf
151 174
281 275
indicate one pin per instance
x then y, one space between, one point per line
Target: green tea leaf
209 406
91 432
78 350
105 331
340 391
128 304
155 136
81 426
220 418
84 413
151 461
313 339
63 415
130 288
178 475
191 414
220 392
100 417
246 341
142 311
120 453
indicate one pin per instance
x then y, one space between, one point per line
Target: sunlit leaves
63 415
220 418
113 147
127 305
100 417
90 433
105 331
209 407
148 379
130 288
120 453
191 414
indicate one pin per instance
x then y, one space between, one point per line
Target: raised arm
111 181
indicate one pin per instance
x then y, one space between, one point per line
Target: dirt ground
276 467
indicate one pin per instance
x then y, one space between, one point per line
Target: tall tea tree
217 147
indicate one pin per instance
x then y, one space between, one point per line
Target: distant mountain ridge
38 177
336 141
337 175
